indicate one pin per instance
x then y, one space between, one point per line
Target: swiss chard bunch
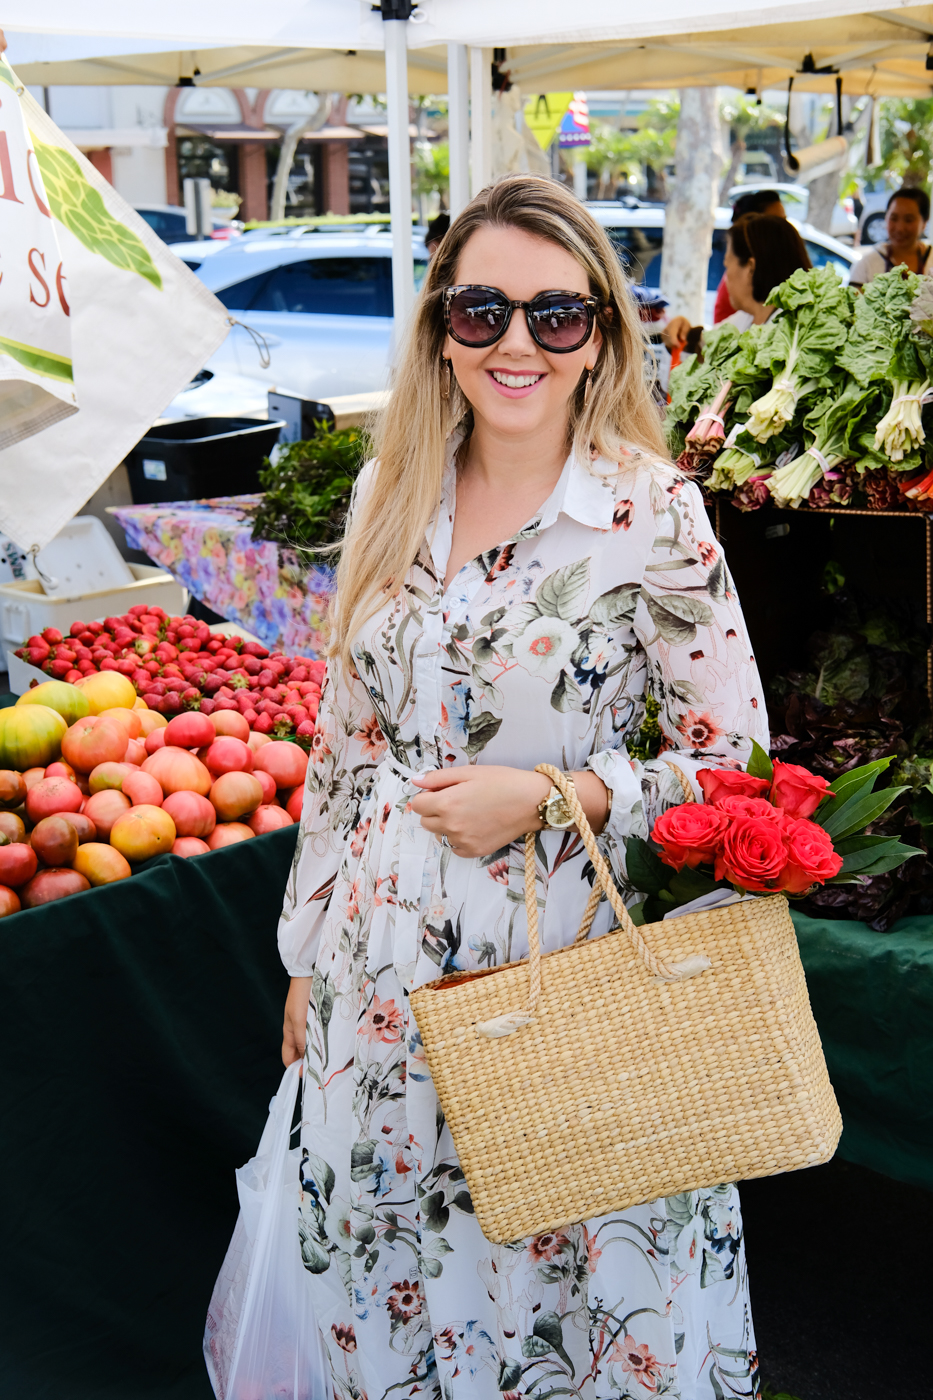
800 348
308 488
886 352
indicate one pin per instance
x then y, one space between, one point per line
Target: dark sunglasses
557 321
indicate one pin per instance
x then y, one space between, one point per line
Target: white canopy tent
346 44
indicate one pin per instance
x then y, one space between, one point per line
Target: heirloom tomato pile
94 779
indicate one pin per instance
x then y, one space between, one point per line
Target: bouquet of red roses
775 828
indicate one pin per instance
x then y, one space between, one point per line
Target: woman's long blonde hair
388 526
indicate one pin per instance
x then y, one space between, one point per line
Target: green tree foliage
432 170
906 153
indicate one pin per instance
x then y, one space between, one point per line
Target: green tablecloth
139 1036
140 1027
872 995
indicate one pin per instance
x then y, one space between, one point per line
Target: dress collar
585 493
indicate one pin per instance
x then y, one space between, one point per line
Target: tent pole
403 278
480 118
458 107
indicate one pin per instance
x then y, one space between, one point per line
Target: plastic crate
26 608
199 457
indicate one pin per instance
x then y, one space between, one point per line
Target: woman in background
905 219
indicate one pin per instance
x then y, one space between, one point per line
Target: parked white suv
638 235
322 302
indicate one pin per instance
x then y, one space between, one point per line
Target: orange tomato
143 832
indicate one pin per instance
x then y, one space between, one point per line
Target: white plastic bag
261 1339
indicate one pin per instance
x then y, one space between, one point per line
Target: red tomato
52 884
229 755
235 795
53 795
190 730
177 770
18 863
293 806
228 834
9 902
155 739
267 783
142 788
286 763
82 824
13 789
268 818
104 808
229 722
101 864
58 770
186 846
192 814
93 740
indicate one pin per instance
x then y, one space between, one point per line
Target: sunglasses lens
560 322
477 317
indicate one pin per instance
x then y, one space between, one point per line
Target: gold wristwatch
554 811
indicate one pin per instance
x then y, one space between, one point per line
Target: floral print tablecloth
278 594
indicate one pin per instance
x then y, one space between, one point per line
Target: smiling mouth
515 381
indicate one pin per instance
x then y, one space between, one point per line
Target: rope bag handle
660 969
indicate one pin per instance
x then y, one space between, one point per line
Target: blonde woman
523 566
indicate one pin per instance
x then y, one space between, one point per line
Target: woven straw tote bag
640 1064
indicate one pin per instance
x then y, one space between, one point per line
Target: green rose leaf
759 765
79 207
676 617
562 593
644 867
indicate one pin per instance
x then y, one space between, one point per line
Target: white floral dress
542 649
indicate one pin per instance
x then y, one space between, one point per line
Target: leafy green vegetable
308 488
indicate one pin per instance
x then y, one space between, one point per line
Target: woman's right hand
295 1024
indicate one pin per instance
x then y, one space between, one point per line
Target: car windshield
323 286
641 252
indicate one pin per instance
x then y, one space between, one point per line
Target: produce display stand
745 537
280 595
141 1024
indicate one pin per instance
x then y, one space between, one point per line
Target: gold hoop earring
587 387
445 380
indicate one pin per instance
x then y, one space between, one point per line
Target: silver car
320 301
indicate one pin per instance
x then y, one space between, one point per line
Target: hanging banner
36 375
575 123
543 115
141 325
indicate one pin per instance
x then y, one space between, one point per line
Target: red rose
689 834
796 791
753 853
811 859
749 807
716 783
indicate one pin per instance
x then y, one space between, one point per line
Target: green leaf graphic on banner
76 204
6 74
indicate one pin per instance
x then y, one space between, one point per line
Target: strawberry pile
178 664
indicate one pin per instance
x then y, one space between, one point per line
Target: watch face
558 813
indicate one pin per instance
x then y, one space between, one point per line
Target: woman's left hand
480 810
483 808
